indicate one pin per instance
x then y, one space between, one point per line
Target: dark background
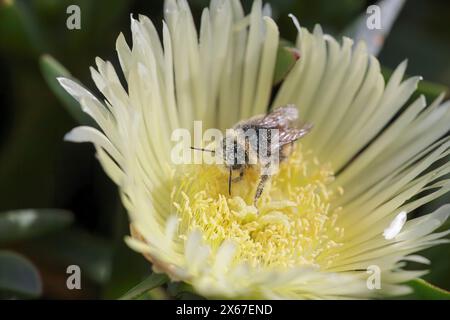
39 170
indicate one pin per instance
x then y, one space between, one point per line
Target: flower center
293 224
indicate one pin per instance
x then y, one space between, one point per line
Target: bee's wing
278 118
289 135
282 117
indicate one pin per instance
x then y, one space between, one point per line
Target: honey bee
261 141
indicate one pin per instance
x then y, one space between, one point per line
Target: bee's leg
241 175
259 190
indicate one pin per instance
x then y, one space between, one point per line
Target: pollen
293 223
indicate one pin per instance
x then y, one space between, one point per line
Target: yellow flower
338 204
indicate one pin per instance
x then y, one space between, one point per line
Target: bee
262 141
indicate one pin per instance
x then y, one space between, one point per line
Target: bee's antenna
229 181
201 149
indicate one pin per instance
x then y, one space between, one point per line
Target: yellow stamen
292 226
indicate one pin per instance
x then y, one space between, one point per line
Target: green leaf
25 224
153 281
425 291
431 90
51 70
18 277
287 55
28 28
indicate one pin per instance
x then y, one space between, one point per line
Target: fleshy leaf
52 69
153 281
18 277
29 223
425 291
287 55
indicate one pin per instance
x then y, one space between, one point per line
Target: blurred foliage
18 277
22 225
287 55
153 281
52 70
39 170
426 291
